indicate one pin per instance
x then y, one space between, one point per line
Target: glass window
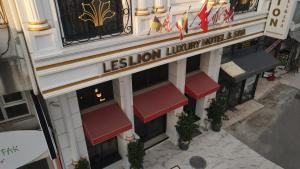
12 97
17 110
150 77
41 164
249 88
13 105
95 95
84 20
243 6
151 129
103 154
193 64
1 116
246 48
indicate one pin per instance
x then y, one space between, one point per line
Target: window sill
17 119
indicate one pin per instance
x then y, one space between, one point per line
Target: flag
156 25
166 24
203 17
216 16
186 22
229 13
179 26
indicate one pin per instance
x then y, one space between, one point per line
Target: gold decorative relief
244 2
97 12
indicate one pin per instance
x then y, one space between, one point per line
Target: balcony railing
89 20
243 6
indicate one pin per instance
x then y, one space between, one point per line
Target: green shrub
185 127
216 112
82 164
136 154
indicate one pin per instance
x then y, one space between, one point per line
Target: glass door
103 154
149 130
190 108
235 94
249 88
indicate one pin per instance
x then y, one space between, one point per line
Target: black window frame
193 64
150 77
106 89
145 130
101 159
243 8
89 32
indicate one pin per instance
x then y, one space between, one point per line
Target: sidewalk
246 109
291 80
220 150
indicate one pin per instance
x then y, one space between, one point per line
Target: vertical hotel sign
279 18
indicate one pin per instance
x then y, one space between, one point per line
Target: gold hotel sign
170 51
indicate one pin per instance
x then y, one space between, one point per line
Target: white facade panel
280 16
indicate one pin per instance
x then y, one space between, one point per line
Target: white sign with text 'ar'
18 148
279 18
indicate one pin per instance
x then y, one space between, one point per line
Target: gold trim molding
142 12
158 7
39 29
38 22
59 64
140 65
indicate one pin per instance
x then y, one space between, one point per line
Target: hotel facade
103 77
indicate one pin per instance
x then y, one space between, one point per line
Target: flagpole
171 27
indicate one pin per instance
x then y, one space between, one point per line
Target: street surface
274 130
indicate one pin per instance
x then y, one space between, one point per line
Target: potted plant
185 127
82 164
136 154
216 112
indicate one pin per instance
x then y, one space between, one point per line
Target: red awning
200 85
105 123
157 102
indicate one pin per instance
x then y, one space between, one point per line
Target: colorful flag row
183 26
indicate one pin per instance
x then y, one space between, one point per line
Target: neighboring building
20 130
250 61
107 79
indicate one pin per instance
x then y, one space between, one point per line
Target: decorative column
67 117
177 74
36 17
159 6
124 96
210 63
142 9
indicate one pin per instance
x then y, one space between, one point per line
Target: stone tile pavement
220 150
242 111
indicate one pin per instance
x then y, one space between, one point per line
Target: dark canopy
254 63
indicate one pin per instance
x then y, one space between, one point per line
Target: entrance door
249 88
235 94
150 130
103 154
190 108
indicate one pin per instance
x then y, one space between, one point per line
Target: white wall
57 107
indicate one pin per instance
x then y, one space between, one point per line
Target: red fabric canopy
157 102
200 85
105 123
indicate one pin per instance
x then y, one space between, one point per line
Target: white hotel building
105 80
